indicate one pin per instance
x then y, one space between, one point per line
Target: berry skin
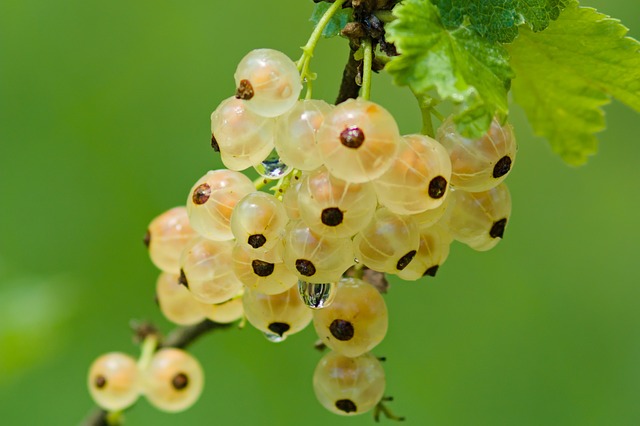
418 179
349 386
333 207
358 140
296 134
207 270
433 251
262 272
313 257
258 221
268 82
173 380
478 219
356 321
243 137
166 237
211 202
177 303
114 381
388 243
290 201
479 164
276 315
226 312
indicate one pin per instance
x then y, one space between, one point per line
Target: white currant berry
212 200
290 200
432 252
479 164
418 178
243 137
356 321
113 381
349 386
207 270
166 237
262 272
277 315
177 303
333 207
268 82
388 243
173 380
478 219
296 134
258 221
226 312
316 258
358 140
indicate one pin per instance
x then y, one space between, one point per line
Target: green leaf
337 22
566 73
459 64
498 20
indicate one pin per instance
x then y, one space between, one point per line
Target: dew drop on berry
272 167
316 295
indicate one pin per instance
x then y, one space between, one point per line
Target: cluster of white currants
350 192
171 380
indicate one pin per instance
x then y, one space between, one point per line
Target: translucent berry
418 179
478 219
113 381
358 140
166 237
388 243
428 218
333 207
479 164
212 200
356 321
173 380
243 138
268 81
349 386
262 272
207 270
433 251
226 312
290 201
258 221
177 303
276 315
296 134
316 258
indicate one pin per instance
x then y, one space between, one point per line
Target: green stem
307 49
149 347
366 68
260 182
427 104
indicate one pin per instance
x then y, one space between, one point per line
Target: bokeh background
104 124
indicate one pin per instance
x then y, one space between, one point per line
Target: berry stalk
367 68
307 49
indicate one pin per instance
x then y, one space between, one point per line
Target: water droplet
316 295
272 337
272 167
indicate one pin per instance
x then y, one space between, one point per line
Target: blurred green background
104 124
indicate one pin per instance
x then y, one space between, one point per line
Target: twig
349 88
